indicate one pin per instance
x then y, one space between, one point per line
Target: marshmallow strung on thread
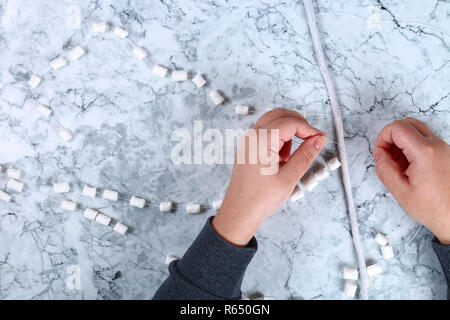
68 205
165 206
216 204
159 70
61 187
34 81
90 214
198 80
350 289
120 228
374 270
297 194
381 239
65 134
333 164
179 75
15 185
311 183
89 191
13 173
387 252
4 196
321 174
242 110
170 258
103 219
137 202
76 53
350 273
99 26
192 208
44 110
139 52
121 32
216 97
58 63
110 195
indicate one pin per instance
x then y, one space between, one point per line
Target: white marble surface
257 53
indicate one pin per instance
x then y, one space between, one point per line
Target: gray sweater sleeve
211 269
443 253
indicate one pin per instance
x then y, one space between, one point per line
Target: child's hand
414 165
253 195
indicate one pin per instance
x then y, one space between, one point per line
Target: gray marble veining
390 60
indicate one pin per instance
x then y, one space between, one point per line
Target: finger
390 173
302 158
285 151
290 127
405 136
276 114
420 126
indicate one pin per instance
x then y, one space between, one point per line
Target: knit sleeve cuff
214 265
443 253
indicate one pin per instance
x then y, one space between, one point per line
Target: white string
340 135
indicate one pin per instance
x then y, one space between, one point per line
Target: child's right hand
414 165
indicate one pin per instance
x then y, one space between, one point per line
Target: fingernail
377 154
319 142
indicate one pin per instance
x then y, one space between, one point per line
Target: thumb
390 172
303 157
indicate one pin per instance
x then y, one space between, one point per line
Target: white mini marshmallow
4 196
76 53
350 289
103 219
350 273
242 110
159 70
68 205
110 195
165 206
15 185
34 81
321 174
216 97
333 164
65 134
381 239
179 75
89 191
297 194
44 111
121 32
374 270
193 208
61 187
99 26
198 80
216 204
139 52
13 173
58 63
120 228
170 258
311 183
90 214
137 202
387 252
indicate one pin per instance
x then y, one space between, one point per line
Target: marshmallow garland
216 97
13 173
99 26
89 191
103 219
120 228
170 258
199 81
69 205
321 174
34 81
58 63
193 208
297 194
179 75
121 32
387 252
4 196
140 53
76 53
61 187
216 204
110 195
311 183
90 214
160 70
350 273
44 110
350 289
374 270
333 164
65 134
165 206
15 185
381 239
137 202
242 110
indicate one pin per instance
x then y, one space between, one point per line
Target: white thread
309 9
